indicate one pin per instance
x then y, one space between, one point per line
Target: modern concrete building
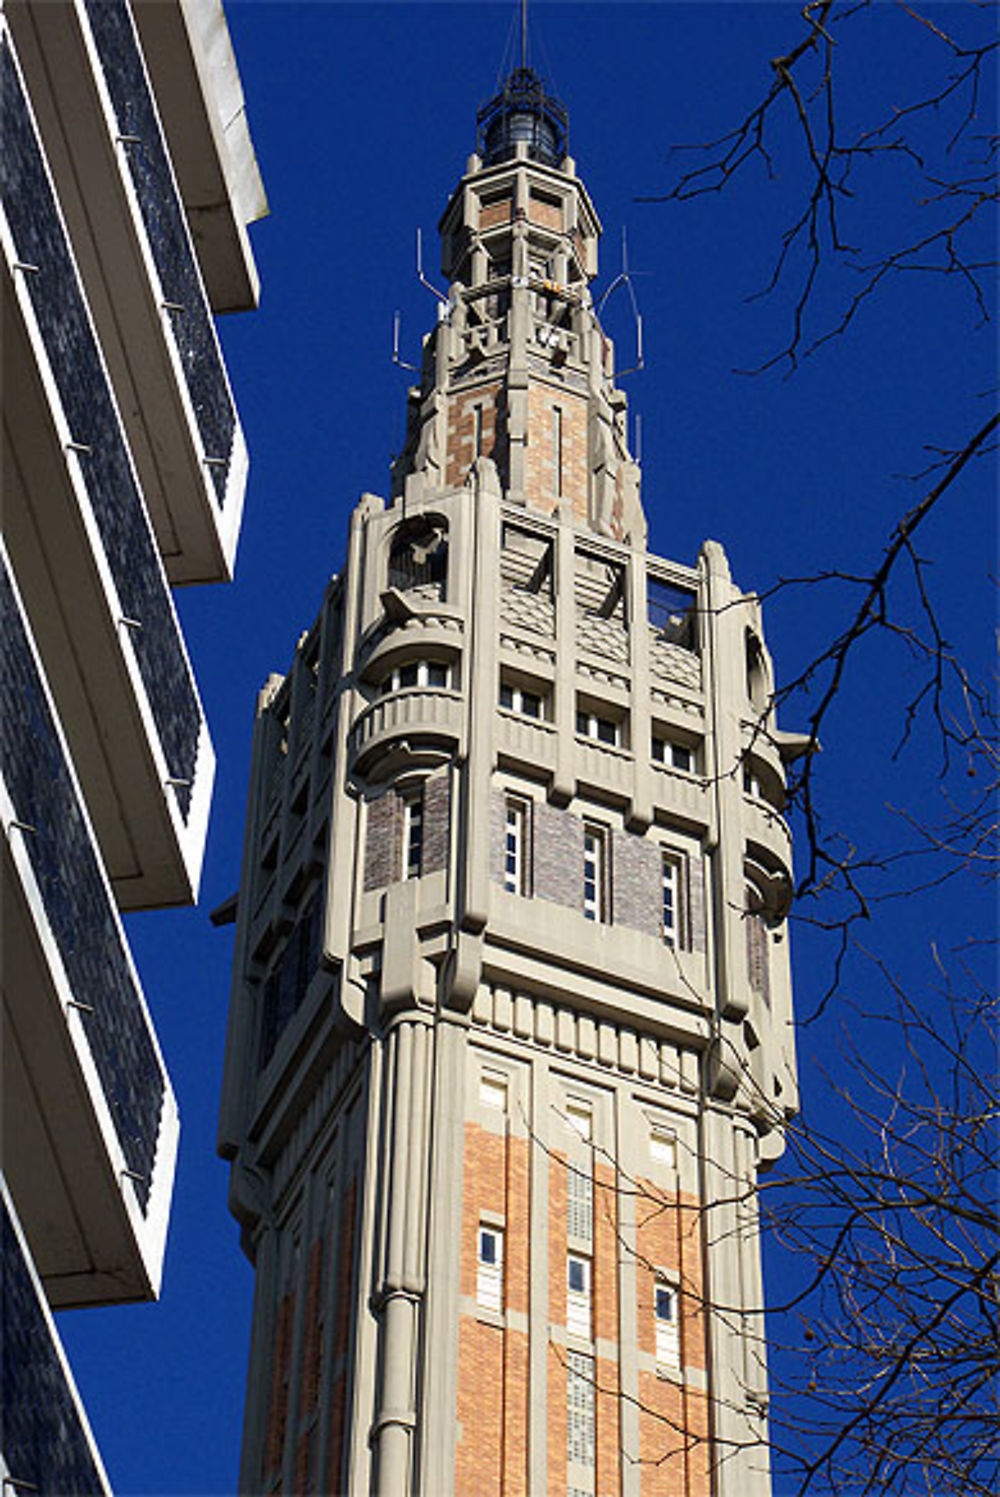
510 1031
128 180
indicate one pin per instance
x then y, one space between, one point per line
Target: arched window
757 686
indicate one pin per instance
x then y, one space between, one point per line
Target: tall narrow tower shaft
510 1025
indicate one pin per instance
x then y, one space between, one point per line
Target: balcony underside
151 848
47 1445
158 338
91 1240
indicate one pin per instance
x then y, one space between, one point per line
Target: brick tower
510 1033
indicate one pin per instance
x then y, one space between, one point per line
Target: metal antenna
524 33
397 318
624 278
420 272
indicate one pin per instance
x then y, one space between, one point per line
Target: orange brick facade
673 1420
492 1447
543 212
494 1392
462 424
556 469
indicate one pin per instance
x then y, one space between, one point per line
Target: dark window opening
419 557
672 612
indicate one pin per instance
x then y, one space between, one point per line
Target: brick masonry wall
461 441
384 833
555 1423
479 1455
556 1413
312 1351
758 963
492 1404
608 1437
696 902
277 1413
673 1422
498 835
437 822
540 473
343 1322
498 212
544 213
383 841
635 888
558 856
673 1439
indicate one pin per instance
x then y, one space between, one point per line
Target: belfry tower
510 1030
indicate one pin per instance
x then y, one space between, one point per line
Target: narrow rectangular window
595 873
668 1345
515 866
489 1271
413 833
557 451
477 425
671 901
580 1410
579 1205
579 1298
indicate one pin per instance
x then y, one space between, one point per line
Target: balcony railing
423 714
767 827
46 1445
50 824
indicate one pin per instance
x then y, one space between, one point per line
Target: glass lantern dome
523 113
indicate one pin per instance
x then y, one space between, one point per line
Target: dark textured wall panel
87 401
45 1445
76 900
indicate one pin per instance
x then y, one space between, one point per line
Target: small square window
663 1146
603 729
677 755
487 1247
521 699
493 1091
580 1118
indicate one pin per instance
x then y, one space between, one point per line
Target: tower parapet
510 1033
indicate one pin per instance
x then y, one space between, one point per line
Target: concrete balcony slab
98 124
89 1131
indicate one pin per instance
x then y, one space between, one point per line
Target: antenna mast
524 33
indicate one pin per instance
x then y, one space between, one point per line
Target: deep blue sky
363 115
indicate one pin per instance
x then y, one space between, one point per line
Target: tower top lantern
523 112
